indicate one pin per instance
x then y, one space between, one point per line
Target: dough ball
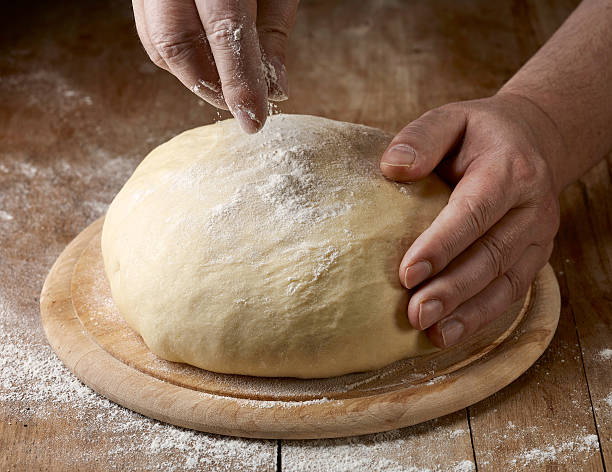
274 254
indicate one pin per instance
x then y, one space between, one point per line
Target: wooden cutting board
88 334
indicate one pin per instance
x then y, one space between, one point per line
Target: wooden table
80 107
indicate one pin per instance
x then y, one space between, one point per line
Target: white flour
608 400
555 452
606 354
5 216
554 447
388 452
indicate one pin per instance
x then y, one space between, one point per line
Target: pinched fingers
172 35
491 302
232 35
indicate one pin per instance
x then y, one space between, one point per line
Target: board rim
280 419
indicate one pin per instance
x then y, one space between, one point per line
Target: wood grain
543 418
534 422
586 241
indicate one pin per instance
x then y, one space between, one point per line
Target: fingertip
210 92
412 314
248 102
276 78
414 273
248 120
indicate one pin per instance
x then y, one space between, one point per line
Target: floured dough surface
273 254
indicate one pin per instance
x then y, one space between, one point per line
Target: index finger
232 35
480 199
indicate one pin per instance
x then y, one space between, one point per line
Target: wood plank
586 247
81 105
586 258
386 62
544 419
117 439
65 162
442 444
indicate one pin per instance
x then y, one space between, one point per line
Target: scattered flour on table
552 446
555 452
35 387
5 216
606 354
388 452
34 384
464 466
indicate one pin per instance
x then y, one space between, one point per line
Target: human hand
486 246
229 53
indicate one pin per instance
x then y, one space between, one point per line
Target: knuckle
496 253
546 218
479 211
523 169
176 46
515 284
274 39
458 289
276 26
448 246
477 317
417 135
446 112
223 28
157 59
436 114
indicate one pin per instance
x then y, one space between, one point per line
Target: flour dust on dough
274 254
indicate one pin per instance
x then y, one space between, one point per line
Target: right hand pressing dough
274 254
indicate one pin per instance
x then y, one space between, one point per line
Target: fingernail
247 119
430 312
451 331
416 273
276 77
400 155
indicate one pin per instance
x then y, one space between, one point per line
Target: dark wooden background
81 106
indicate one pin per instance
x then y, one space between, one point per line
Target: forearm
570 80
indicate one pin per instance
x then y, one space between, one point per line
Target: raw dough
273 254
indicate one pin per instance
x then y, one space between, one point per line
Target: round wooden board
88 334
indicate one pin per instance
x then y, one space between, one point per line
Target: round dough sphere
274 254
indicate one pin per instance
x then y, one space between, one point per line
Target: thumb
274 22
418 148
